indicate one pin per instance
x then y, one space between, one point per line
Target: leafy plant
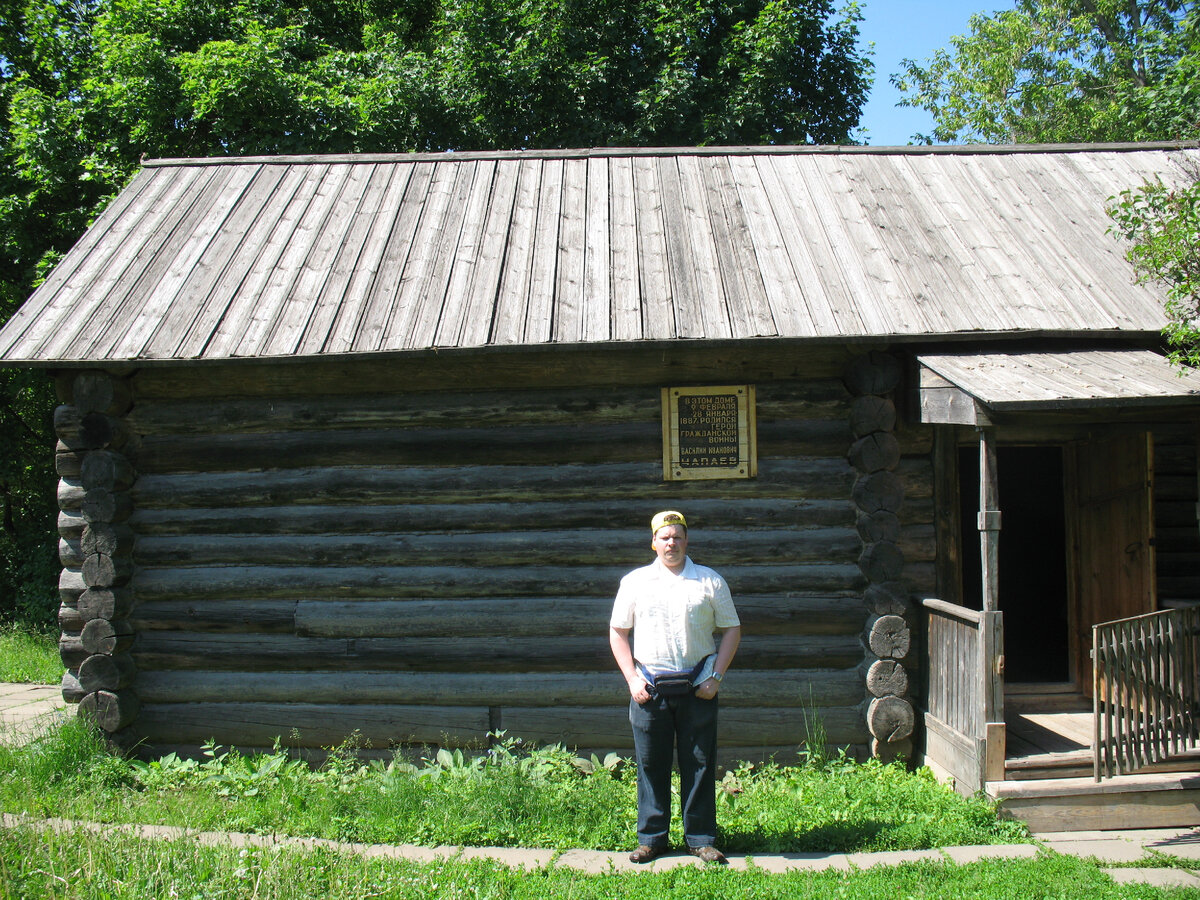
1162 227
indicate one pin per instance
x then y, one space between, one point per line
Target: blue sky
912 29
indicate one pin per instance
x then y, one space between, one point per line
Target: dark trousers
660 725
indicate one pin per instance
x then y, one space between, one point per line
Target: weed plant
29 655
513 795
40 865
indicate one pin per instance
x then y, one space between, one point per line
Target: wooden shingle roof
276 257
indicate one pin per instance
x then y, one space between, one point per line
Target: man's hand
637 690
707 689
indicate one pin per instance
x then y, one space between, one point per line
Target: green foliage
844 804
1064 71
513 795
29 655
1162 226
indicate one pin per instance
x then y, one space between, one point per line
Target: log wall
388 547
1176 530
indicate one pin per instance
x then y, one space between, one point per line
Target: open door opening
1033 587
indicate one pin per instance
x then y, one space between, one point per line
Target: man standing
674 670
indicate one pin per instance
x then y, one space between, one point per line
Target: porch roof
964 388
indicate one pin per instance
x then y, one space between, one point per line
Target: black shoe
709 854
647 853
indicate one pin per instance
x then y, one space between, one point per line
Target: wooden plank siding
393 550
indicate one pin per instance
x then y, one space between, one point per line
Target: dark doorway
1033 558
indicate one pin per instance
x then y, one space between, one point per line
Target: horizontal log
347 582
890 719
103 505
70 495
312 725
72 691
892 599
107 637
70 553
269 616
744 726
71 524
105 603
523 445
89 431
111 710
97 391
612 366
815 399
875 452
70 585
69 618
880 491
103 571
882 561
776 614
876 372
551 515
778 479
270 652
880 525
553 616
890 638
101 672
106 538
106 469
319 725
69 463
752 687
887 678
70 650
869 414
717 547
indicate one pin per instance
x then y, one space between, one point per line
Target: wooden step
1075 764
1161 800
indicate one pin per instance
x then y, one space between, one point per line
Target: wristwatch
717 677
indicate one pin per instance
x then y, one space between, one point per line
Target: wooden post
989 520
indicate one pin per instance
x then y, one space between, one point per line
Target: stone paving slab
1114 849
963 855
1166 878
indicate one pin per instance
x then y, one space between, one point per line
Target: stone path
25 709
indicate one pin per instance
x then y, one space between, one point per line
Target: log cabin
363 444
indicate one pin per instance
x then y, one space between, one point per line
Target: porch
1048 771
1068 449
1037 751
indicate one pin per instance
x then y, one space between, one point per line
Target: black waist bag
672 684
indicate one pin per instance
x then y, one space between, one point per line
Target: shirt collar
685 572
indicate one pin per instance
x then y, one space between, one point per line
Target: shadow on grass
832 837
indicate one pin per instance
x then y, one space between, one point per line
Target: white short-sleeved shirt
673 617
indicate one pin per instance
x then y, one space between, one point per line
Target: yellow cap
667 517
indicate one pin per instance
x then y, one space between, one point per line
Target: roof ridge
602 152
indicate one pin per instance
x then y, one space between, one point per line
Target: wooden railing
1145 689
964 716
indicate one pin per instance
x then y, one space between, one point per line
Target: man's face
670 544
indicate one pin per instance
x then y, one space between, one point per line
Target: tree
1064 70
1162 226
89 87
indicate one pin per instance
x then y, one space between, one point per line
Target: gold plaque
708 432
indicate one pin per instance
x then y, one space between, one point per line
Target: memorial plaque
708 432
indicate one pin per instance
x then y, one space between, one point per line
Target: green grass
515 796
29 656
39 865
